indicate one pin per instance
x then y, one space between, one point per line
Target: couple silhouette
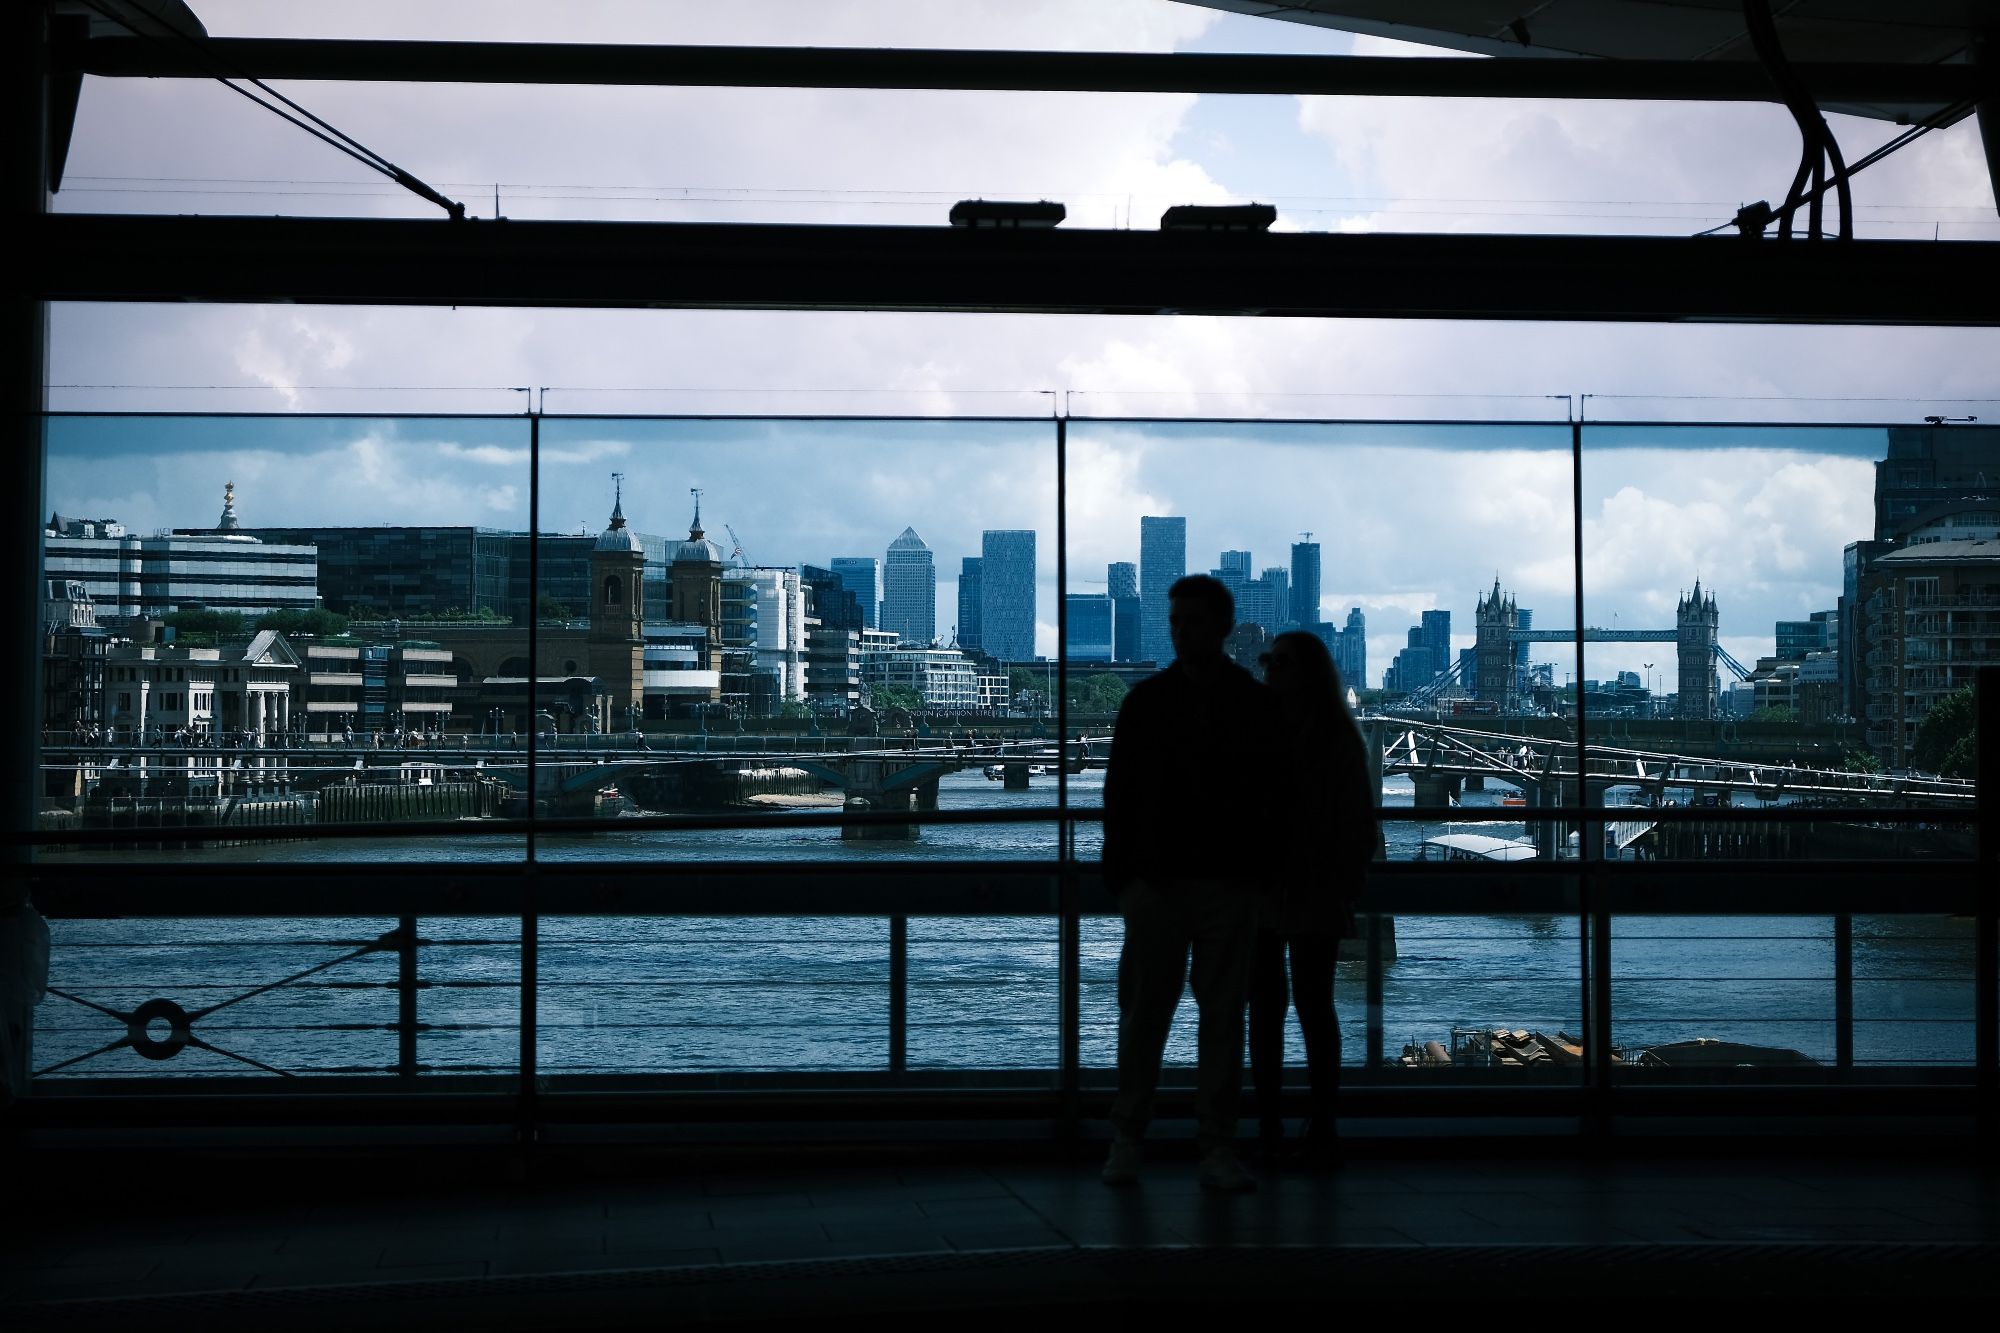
1239 819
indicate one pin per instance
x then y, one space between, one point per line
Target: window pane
253 624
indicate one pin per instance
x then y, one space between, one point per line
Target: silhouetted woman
1331 836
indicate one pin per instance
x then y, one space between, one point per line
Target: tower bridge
1499 634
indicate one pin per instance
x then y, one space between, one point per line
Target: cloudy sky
1410 518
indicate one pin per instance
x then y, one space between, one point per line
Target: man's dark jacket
1200 772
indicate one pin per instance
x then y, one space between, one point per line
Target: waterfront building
967 635
1695 621
1932 619
1304 605
1927 467
1162 562
234 690
861 575
372 688
682 667
995 692
73 648
1793 639
1092 627
909 590
1007 594
945 678
833 642
1818 696
779 642
1934 483
224 569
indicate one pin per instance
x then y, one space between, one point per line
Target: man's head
1200 614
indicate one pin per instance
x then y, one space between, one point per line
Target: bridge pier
866 795
1475 782
1014 774
1434 792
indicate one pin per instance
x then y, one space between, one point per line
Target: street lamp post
1651 703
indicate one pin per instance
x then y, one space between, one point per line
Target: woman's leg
1313 956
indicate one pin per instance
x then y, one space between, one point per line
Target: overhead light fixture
1006 213
1225 217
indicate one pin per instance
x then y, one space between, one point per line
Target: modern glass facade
1091 627
1162 561
862 576
970 612
1007 595
153 576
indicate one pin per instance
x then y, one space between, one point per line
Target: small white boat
1476 847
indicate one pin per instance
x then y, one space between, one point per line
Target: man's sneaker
1220 1171
1122 1166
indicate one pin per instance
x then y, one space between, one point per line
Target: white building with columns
238 690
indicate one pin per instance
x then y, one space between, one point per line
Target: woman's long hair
1320 687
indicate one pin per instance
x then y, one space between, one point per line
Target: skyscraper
1090 627
1162 561
1437 638
1353 657
970 577
1007 594
1269 597
1305 583
859 575
1121 580
909 589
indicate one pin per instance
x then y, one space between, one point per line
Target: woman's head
1298 666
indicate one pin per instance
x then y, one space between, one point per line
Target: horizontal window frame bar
1321 275
946 70
972 889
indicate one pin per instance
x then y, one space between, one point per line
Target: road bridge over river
871 773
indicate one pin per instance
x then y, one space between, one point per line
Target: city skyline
1761 513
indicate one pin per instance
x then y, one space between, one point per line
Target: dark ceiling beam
1026 71
80 257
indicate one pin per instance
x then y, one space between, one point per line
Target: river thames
622 995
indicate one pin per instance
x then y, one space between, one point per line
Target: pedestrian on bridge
1198 750
1332 834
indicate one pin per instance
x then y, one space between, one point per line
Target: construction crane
737 554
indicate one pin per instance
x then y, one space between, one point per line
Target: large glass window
785 709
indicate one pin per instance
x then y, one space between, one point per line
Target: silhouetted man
1196 762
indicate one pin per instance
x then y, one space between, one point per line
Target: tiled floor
620 1249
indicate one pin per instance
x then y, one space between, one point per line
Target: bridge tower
1495 619
1696 620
